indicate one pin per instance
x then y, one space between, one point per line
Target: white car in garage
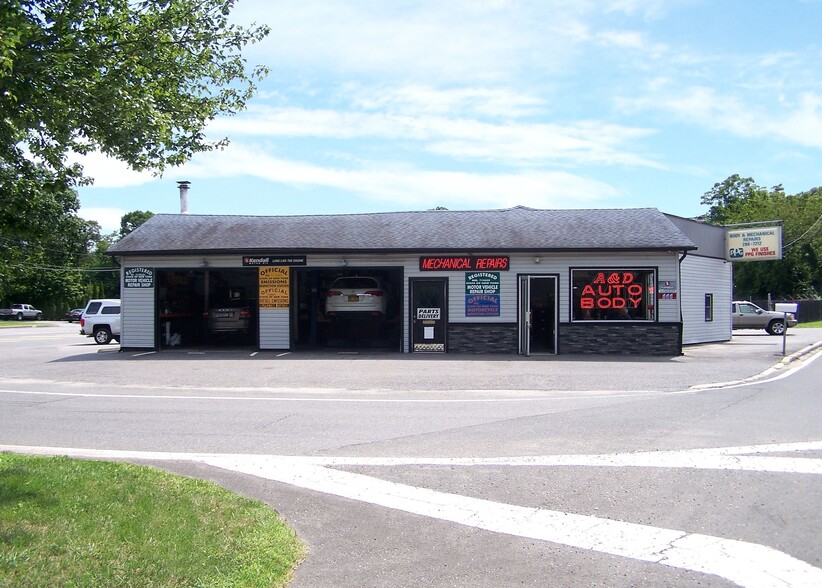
356 296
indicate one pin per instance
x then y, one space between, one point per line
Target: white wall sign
754 244
428 313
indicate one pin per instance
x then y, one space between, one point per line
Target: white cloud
108 218
417 99
453 41
111 173
793 120
509 143
411 186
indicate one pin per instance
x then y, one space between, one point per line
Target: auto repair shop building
518 280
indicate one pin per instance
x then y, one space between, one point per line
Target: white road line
747 564
781 370
322 395
334 395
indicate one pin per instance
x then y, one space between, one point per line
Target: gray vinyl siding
275 328
700 276
137 318
275 324
666 266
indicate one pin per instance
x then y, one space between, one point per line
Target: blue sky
388 105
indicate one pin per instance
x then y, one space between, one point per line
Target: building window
613 294
709 308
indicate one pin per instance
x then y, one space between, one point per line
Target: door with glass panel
537 315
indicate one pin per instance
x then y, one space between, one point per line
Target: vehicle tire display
776 327
102 336
19 316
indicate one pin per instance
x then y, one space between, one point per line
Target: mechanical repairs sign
138 277
275 285
482 294
754 244
463 263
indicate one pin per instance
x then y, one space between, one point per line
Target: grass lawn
811 325
67 522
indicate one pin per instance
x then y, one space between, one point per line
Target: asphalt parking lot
747 355
256 412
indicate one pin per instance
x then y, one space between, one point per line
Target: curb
781 364
801 353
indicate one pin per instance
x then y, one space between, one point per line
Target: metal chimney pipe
183 185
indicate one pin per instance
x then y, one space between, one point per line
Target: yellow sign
275 282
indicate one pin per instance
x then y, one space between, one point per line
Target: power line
55 268
802 236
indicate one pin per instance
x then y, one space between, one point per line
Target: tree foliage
740 200
42 239
137 81
132 220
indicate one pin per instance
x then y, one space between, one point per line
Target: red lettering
614 290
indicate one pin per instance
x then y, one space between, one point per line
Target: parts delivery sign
754 244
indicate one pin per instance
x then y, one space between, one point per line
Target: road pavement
468 470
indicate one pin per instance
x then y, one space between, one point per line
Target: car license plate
353 298
225 314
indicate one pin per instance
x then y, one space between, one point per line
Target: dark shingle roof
512 229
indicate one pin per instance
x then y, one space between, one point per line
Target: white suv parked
101 320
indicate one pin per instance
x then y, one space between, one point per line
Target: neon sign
613 290
463 263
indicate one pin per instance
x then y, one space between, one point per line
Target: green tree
740 200
132 220
136 80
101 275
43 240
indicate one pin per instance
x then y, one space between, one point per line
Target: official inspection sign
275 285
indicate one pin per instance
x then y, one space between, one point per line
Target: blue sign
482 305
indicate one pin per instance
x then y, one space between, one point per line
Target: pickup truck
21 312
747 315
101 320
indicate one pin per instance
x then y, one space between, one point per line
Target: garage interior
191 304
312 329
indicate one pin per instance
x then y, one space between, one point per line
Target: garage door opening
207 308
348 308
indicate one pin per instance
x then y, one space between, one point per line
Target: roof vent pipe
183 185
